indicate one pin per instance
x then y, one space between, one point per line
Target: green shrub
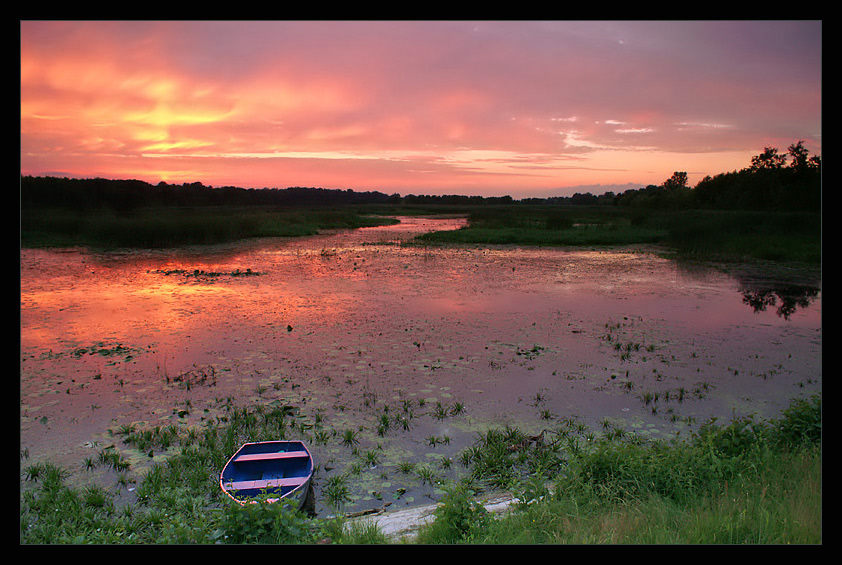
263 522
459 519
800 423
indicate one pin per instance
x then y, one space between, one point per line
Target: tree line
773 181
125 196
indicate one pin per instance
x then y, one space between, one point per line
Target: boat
270 471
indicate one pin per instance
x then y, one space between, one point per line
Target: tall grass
162 227
745 483
778 236
549 226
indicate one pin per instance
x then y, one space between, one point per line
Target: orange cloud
411 106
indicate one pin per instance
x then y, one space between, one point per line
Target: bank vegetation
740 482
770 210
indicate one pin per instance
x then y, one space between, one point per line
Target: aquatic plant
371 457
110 457
349 437
33 471
406 467
404 422
432 440
440 412
426 474
321 437
335 490
457 408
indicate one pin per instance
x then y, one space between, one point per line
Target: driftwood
369 511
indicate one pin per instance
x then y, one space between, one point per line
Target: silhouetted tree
769 159
677 181
768 184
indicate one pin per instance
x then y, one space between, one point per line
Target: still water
338 323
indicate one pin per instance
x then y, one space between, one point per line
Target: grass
178 500
734 235
160 227
747 482
780 503
729 235
541 226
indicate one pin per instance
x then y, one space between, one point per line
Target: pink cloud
414 106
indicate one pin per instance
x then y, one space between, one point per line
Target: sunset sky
429 107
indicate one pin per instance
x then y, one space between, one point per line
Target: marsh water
342 324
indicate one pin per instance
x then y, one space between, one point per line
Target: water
343 323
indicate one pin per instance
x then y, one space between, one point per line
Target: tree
800 159
676 181
769 159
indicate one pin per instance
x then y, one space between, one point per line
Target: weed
458 519
406 467
335 490
744 482
349 438
426 474
371 457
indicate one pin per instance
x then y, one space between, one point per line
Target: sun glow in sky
433 107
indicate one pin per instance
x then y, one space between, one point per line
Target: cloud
516 101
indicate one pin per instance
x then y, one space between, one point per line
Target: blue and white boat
270 471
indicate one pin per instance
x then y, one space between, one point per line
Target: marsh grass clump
427 474
406 467
350 438
502 458
335 490
148 440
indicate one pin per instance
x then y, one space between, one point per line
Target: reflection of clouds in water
350 283
333 318
350 276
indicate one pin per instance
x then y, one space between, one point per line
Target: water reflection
783 290
334 321
787 299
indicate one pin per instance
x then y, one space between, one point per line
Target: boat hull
269 471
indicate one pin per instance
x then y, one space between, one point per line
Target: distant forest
773 181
